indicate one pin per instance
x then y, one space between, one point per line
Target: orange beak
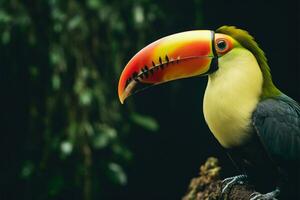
177 56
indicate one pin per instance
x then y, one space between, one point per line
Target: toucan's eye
222 46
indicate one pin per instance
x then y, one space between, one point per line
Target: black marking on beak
213 44
151 71
160 61
214 64
135 76
153 67
145 71
127 82
167 59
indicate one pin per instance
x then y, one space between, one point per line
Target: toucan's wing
277 123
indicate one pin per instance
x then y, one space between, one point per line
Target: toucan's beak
173 57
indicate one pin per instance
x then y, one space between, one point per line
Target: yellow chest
231 96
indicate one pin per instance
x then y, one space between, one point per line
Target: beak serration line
138 77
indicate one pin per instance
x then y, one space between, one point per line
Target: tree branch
208 185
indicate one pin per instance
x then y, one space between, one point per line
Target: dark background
160 161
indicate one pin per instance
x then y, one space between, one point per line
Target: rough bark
207 186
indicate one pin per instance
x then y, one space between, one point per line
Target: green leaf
4 17
85 97
66 148
94 4
103 136
122 152
138 14
58 15
5 37
75 22
27 170
56 82
117 174
145 121
56 55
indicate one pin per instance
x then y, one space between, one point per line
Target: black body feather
271 157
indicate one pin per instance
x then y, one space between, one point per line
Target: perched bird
252 119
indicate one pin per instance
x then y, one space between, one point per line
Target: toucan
256 124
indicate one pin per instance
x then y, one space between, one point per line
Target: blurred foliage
72 53
64 58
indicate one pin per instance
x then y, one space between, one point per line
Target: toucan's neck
231 95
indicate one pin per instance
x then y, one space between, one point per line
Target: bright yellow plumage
231 95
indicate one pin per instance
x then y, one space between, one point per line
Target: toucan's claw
231 181
268 196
